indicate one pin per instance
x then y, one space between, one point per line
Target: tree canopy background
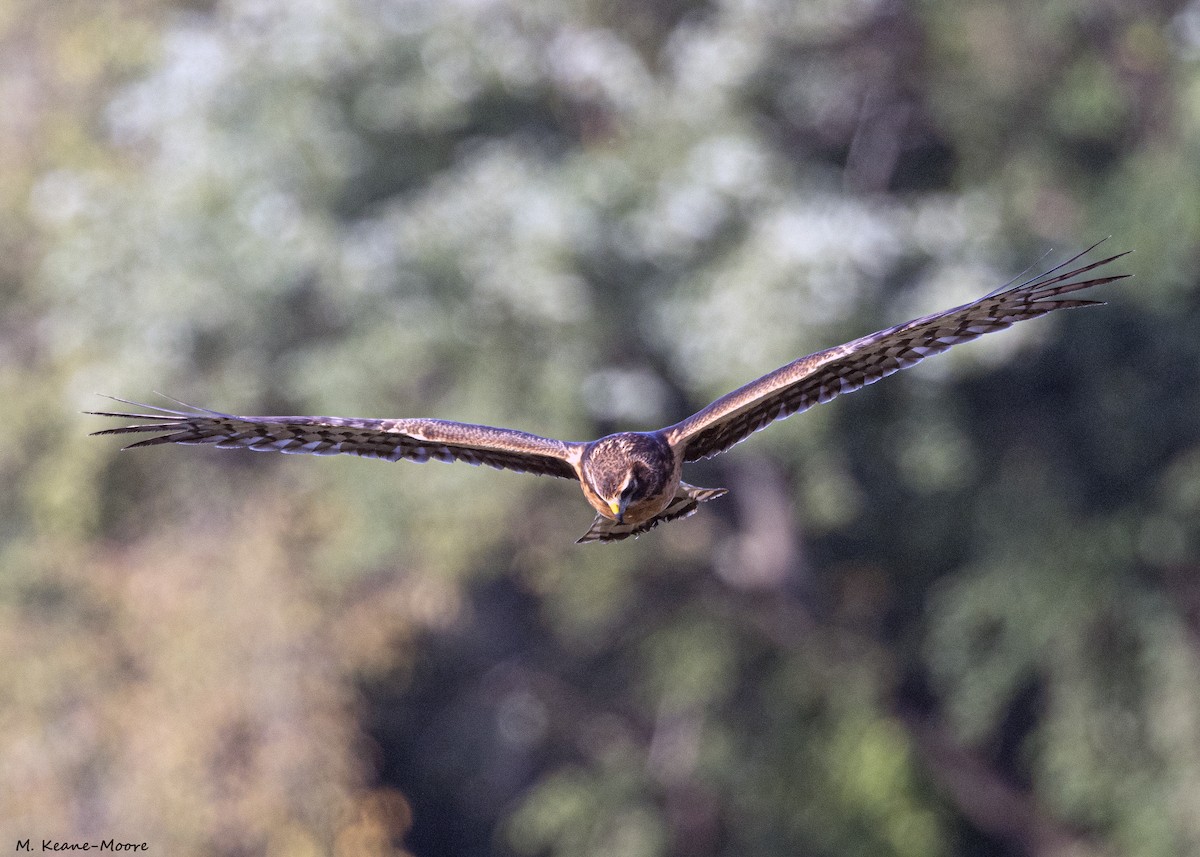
957 613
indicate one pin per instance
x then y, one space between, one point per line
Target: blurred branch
986 798
1182 582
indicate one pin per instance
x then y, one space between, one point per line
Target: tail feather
687 500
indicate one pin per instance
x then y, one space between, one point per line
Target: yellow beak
616 508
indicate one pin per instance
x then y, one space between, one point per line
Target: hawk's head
631 470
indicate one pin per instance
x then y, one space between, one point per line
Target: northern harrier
632 479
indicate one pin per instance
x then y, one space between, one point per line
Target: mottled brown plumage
632 479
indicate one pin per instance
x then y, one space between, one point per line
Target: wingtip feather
150 441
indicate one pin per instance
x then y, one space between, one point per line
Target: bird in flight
632 479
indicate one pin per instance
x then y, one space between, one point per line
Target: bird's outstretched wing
413 440
821 376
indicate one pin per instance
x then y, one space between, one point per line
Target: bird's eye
631 487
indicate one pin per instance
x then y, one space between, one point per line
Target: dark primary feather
822 376
394 440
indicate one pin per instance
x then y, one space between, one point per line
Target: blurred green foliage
955 614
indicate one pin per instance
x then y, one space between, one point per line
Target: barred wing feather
417 440
820 377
